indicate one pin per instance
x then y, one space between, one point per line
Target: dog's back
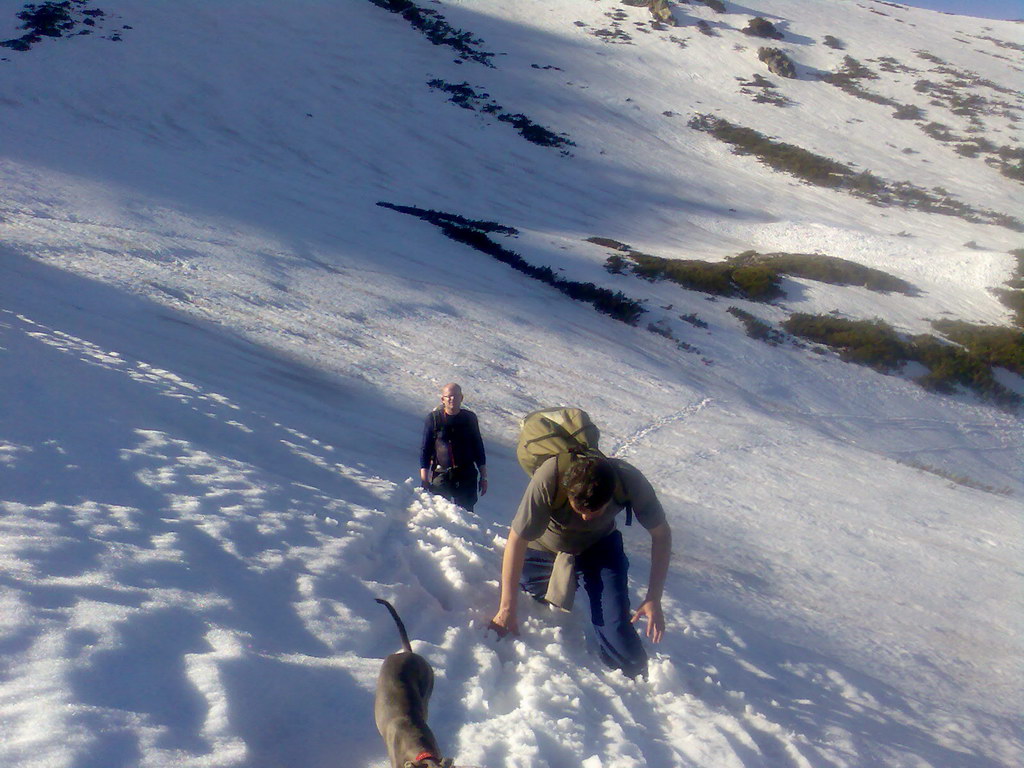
400 707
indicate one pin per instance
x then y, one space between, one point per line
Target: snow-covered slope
217 350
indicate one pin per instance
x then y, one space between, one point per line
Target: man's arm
480 455
661 553
427 450
505 620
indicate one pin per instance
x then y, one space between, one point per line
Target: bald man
453 463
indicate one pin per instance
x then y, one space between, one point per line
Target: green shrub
752 275
757 328
775 154
869 342
607 242
693 320
875 343
1014 300
702 276
992 344
616 264
1017 281
759 282
908 112
826 269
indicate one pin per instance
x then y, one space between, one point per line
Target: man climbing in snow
452 459
565 529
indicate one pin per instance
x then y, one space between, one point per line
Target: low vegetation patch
763 91
475 234
754 282
614 33
1009 161
996 345
749 275
693 320
962 93
467 97
825 172
438 31
957 478
890 64
848 79
876 344
834 42
1017 280
661 328
827 269
1001 43
62 18
757 328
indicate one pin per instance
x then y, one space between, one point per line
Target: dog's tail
401 627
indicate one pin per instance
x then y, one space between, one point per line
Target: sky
990 9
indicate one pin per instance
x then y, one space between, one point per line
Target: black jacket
452 441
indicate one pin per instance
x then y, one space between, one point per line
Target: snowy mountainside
218 349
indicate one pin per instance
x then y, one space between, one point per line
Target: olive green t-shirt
562 530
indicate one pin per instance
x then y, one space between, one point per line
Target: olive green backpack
566 433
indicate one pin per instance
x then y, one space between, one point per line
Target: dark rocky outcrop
662 12
761 27
778 62
57 18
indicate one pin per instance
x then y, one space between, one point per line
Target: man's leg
604 567
441 484
537 569
464 488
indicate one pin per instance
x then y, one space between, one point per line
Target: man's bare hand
504 623
651 609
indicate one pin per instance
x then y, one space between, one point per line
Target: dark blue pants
603 568
458 485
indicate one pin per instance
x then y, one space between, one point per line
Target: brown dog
400 708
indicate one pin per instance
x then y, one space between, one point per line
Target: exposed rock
761 27
55 18
778 62
662 12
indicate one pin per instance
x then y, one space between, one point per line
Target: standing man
565 529
452 459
